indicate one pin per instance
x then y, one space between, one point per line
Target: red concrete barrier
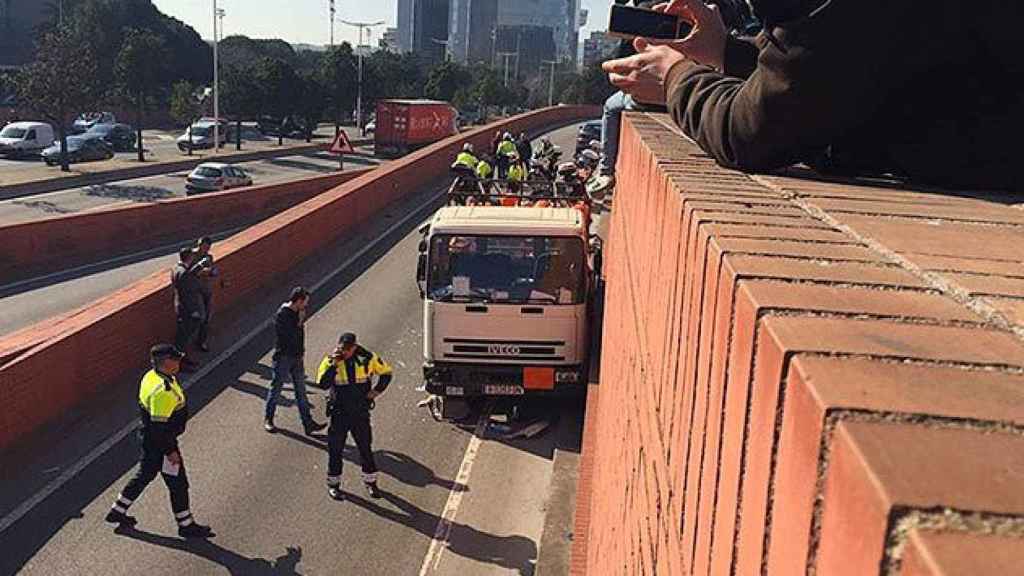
802 377
116 332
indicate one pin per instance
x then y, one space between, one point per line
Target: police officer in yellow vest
348 372
163 413
466 160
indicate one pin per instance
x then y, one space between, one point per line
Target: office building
598 48
423 28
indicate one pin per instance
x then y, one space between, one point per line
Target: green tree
338 75
446 79
590 87
278 89
60 81
312 101
240 97
186 106
140 71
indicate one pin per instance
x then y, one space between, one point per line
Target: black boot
120 518
372 488
194 530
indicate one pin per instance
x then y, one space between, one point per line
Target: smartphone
630 22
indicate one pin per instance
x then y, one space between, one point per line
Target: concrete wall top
803 376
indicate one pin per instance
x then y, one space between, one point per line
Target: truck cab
507 302
25 138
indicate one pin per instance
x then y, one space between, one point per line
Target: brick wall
115 333
803 377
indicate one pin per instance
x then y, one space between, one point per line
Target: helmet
566 169
589 158
467 147
506 136
596 145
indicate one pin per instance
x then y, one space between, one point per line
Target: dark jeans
150 464
288 368
342 425
186 331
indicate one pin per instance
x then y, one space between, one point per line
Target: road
33 300
264 494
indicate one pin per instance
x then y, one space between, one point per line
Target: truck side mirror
421 274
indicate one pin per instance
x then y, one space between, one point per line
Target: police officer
163 413
347 372
466 159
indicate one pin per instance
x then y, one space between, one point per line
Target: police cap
164 351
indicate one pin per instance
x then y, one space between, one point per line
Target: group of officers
347 372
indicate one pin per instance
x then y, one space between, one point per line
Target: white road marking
451 507
94 454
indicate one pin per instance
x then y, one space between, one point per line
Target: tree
240 97
140 70
186 106
312 101
445 80
339 76
60 81
278 82
590 87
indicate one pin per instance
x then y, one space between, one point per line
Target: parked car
121 137
202 135
588 131
214 177
25 138
289 127
81 148
86 121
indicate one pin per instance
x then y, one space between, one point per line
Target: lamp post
551 83
445 43
333 12
359 53
216 82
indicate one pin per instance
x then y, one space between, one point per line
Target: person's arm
286 327
830 79
383 371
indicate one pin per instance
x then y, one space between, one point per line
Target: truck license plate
503 390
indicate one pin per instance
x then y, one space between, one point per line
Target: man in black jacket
932 93
289 352
189 305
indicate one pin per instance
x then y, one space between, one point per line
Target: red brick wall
803 377
115 333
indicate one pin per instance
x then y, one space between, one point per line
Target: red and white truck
405 125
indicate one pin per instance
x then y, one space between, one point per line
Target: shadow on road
127 192
233 562
510 552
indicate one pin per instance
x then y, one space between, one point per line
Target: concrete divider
801 376
42 381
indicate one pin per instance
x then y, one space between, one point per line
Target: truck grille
467 349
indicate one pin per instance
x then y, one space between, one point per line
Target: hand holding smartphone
630 22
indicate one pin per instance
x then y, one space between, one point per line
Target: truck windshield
12 132
514 269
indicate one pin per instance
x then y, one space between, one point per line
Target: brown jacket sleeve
833 75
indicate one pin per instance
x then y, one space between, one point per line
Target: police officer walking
347 372
163 413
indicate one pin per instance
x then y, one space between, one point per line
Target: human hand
371 395
175 458
706 42
643 75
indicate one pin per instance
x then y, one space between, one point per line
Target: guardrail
116 332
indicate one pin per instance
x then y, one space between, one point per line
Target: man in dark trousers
163 413
289 352
206 271
188 302
348 373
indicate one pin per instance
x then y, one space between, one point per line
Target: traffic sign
341 145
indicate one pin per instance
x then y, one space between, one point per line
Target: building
472 30
423 28
598 48
389 41
18 20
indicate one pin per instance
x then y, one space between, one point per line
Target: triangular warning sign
341 145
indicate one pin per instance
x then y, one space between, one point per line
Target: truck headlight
567 376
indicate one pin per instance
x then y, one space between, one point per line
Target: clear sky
306 21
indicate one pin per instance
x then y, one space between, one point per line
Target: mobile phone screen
631 22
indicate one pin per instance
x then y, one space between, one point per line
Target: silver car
214 177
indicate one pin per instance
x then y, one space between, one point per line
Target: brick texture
801 376
117 331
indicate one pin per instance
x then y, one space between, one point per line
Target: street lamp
216 81
359 53
445 43
551 84
333 12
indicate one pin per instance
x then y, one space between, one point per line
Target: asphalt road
34 300
454 504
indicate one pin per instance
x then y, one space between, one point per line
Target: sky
306 21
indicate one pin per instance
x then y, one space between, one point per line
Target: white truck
508 300
25 138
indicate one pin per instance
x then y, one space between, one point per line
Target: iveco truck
507 302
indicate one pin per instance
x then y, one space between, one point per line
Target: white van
25 138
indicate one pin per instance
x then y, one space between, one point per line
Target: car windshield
208 172
13 132
200 130
511 269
